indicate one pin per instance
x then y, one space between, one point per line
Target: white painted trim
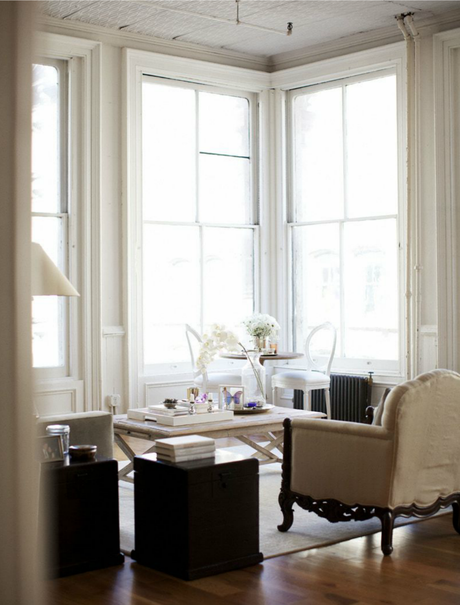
156 45
335 48
275 63
168 383
357 42
338 68
131 88
271 189
323 73
135 65
429 330
193 70
444 47
63 387
87 103
109 331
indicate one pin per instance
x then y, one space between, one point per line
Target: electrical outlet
114 401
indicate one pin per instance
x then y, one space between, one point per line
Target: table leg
264 453
129 453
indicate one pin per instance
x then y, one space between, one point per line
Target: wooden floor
424 569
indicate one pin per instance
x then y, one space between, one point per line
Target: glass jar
64 431
253 379
260 344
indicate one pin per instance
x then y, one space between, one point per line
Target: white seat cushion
301 379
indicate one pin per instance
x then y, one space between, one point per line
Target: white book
161 409
137 413
185 457
185 451
189 419
185 441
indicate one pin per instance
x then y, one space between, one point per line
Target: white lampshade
47 280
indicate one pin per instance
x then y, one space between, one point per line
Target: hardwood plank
423 569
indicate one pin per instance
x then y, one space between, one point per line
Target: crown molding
152 44
358 42
331 49
335 67
193 70
275 63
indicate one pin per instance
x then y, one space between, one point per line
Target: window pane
169 152
171 282
371 289
224 124
228 275
318 156
372 148
46 175
316 279
224 190
48 312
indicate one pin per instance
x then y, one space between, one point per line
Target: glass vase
260 344
253 379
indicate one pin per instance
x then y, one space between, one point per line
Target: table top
281 356
245 424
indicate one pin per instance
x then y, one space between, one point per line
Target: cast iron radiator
350 396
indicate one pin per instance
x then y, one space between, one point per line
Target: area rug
308 530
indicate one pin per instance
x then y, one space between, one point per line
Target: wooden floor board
424 569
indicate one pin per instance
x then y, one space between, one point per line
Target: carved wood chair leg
456 516
287 510
387 532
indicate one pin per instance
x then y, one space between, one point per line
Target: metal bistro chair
315 376
208 381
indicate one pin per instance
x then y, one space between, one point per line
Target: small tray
266 408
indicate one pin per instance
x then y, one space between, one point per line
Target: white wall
19 473
113 288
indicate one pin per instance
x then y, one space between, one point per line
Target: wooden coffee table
244 427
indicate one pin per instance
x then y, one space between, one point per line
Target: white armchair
408 466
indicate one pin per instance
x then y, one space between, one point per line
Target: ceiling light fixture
237 21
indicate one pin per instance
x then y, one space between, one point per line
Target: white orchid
218 340
221 339
261 325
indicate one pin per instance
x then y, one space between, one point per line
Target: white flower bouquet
261 325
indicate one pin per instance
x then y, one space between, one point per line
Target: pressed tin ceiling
314 23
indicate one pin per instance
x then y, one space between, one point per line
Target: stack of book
161 410
183 449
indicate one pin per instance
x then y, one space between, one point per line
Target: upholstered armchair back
424 416
406 463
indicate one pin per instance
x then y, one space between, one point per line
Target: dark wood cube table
197 518
82 521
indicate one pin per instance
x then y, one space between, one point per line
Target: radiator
350 396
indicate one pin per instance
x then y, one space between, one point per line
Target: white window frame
183 367
80 390
230 80
54 373
359 66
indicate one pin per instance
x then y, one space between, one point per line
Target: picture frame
49 448
231 397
